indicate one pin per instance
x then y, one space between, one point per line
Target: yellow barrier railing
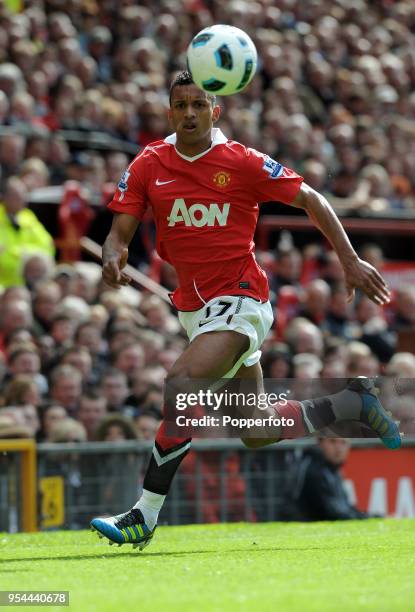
27 448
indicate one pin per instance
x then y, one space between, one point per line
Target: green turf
359 565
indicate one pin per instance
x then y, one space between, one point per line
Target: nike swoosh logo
159 182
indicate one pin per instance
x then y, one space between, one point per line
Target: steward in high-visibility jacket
21 235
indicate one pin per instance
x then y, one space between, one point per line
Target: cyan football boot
127 528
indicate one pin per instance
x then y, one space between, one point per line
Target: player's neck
193 149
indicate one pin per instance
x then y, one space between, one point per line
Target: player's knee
178 381
176 375
184 372
252 442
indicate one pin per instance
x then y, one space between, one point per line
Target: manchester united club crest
222 179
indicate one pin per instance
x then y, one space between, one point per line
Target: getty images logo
198 215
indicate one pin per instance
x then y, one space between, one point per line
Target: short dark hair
92 393
124 423
185 78
112 373
149 412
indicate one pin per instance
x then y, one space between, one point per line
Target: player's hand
362 275
112 273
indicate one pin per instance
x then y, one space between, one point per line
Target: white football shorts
238 313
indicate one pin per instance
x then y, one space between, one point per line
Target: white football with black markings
222 60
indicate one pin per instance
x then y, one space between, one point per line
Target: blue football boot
127 528
373 414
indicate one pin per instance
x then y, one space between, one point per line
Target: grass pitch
352 565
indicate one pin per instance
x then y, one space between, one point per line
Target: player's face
192 115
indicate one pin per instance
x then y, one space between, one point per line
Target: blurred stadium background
83 86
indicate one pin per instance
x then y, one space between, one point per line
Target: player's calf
358 402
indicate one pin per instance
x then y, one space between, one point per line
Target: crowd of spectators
81 361
75 365
333 96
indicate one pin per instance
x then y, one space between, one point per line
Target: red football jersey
206 209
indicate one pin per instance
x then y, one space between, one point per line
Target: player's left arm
359 274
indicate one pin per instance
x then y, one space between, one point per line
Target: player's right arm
128 205
115 250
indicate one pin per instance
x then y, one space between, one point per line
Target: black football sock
167 455
163 466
